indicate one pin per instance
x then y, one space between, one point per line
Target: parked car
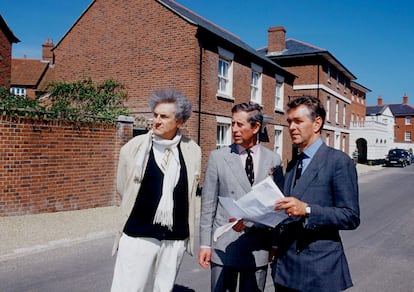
399 157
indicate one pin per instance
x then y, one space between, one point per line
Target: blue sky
374 39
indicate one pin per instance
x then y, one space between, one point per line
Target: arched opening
362 150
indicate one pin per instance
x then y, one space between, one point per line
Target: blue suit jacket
225 176
310 252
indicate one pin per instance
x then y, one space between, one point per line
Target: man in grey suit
321 192
243 251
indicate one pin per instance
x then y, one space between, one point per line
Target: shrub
78 101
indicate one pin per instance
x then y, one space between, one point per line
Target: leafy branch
79 101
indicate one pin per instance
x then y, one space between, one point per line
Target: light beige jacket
128 187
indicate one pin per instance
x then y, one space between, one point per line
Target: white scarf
164 213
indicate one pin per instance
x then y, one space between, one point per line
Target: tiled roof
295 48
200 21
27 72
401 109
375 110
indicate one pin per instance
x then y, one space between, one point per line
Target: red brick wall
400 128
147 47
140 43
48 167
5 60
358 106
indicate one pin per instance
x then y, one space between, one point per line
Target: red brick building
358 110
151 44
28 76
404 123
7 38
320 74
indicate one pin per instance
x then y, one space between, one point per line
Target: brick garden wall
49 166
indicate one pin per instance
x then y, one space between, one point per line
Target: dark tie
249 166
299 166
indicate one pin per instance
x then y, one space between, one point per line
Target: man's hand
272 255
239 226
292 206
204 257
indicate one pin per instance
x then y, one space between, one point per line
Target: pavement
26 234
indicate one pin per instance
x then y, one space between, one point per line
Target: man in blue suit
240 256
321 191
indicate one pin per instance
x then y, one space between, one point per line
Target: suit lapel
265 165
311 172
236 168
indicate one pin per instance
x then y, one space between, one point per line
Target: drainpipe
200 79
317 90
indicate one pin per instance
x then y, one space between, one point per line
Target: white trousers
146 264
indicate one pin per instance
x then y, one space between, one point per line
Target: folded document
256 206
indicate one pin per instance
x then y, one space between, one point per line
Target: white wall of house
378 131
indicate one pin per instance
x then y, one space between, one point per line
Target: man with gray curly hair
158 175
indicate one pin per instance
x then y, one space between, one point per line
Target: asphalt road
380 252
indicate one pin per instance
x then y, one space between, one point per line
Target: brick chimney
405 99
276 38
379 101
47 54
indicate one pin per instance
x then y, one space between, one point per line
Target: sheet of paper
255 206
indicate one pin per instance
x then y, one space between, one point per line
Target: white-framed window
407 136
280 91
408 120
353 95
327 139
337 80
20 91
278 146
223 132
337 112
328 107
256 84
343 143
225 73
344 115
337 141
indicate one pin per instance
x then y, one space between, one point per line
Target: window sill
222 96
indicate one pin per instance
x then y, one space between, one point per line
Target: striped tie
165 159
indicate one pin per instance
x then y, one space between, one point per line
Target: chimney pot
405 99
379 102
47 54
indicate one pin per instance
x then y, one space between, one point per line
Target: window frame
344 115
279 92
225 77
278 140
256 84
223 123
328 107
18 91
337 112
